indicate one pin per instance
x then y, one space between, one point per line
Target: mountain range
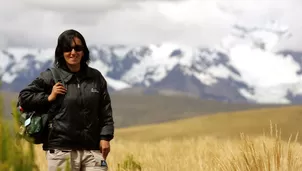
243 68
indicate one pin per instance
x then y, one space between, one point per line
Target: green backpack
34 125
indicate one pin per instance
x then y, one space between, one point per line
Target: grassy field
211 142
203 154
204 142
220 125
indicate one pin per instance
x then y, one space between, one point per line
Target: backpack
34 125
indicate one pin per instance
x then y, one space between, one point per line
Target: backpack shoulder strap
56 76
52 111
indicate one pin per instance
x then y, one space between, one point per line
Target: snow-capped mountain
243 68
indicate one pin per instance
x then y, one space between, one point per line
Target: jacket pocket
99 161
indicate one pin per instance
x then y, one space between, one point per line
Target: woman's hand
56 89
105 148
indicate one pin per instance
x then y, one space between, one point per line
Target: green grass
221 125
15 155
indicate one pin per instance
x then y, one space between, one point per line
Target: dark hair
65 40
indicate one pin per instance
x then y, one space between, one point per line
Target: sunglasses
77 48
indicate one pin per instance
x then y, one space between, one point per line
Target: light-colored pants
79 160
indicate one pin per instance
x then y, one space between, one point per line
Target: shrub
129 164
15 154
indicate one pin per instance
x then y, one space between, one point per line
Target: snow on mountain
20 65
117 85
271 74
245 67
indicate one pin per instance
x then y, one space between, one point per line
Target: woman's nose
73 51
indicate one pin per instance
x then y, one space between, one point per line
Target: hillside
136 109
221 125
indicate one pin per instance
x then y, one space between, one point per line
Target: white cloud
193 22
79 6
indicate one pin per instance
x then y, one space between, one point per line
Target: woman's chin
73 65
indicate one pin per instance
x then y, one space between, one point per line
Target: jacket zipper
79 88
81 99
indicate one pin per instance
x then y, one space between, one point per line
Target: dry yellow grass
260 153
213 143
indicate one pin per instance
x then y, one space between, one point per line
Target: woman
83 125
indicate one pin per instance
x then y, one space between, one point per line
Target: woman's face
74 54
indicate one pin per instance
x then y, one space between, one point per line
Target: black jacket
83 118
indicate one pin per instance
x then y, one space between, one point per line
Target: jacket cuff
106 137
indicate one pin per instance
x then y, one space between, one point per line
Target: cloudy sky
37 23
